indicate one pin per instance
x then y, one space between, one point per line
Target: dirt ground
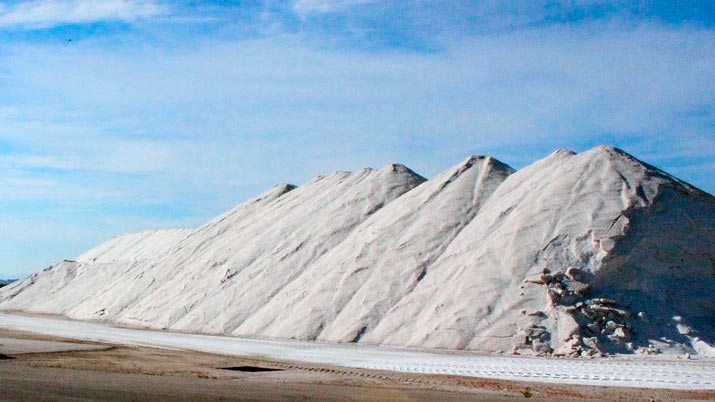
145 374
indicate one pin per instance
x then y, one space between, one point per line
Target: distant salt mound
575 255
92 276
211 278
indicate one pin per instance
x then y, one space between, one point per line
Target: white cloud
303 8
50 13
546 86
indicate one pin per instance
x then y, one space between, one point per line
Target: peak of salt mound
634 169
394 171
490 161
402 171
561 153
282 188
248 207
470 161
398 168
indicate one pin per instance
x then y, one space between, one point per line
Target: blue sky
125 115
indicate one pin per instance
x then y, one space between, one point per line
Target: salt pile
575 255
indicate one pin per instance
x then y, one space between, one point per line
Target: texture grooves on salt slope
601 211
346 292
135 246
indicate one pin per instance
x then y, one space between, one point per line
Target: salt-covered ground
648 373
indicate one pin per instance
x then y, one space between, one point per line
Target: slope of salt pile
342 295
57 289
106 279
227 273
575 254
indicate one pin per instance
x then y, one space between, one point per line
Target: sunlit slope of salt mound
68 284
346 292
228 272
144 278
576 254
115 274
104 281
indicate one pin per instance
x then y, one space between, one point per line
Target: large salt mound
632 233
576 254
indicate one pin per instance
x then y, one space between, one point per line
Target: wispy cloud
223 97
51 13
303 8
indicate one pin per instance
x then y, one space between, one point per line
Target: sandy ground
114 373
11 346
